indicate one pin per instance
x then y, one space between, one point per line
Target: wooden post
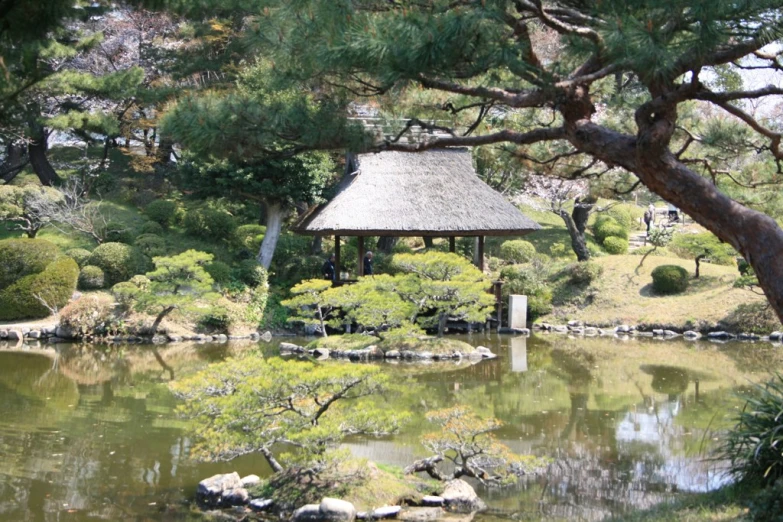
481 253
337 257
361 256
498 287
452 244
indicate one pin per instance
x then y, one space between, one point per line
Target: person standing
649 217
368 263
329 270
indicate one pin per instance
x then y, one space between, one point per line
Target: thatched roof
432 193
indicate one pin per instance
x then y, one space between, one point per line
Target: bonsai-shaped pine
311 303
444 283
254 405
374 302
177 282
467 441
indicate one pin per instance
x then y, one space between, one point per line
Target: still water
90 433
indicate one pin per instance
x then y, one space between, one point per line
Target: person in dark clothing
649 217
329 270
368 263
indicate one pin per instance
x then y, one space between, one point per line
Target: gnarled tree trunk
36 149
274 224
578 243
15 161
386 243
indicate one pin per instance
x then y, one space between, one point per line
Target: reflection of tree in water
668 380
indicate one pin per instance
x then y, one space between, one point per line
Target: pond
90 432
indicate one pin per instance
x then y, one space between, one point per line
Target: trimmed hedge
151 245
251 273
211 223
219 271
162 211
670 279
91 278
517 251
54 285
250 236
151 227
23 257
606 226
584 273
80 255
616 245
118 261
119 233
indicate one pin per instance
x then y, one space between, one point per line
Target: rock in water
261 504
336 510
307 513
460 497
422 514
251 480
234 497
432 500
386 512
210 490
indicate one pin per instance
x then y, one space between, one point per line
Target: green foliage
118 261
311 304
22 257
584 273
151 227
116 232
691 246
253 405
660 237
37 295
767 504
526 280
91 278
753 445
377 302
150 245
669 279
251 273
250 236
90 315
627 216
211 223
216 320
163 212
20 207
759 318
80 255
616 245
219 271
606 226
517 251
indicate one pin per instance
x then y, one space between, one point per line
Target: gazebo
434 193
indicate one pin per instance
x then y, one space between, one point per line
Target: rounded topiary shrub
119 233
151 227
625 215
211 223
517 251
250 236
251 273
670 279
584 273
22 257
616 245
91 278
80 255
162 211
219 271
609 228
118 261
38 295
90 315
151 245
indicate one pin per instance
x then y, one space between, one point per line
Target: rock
432 500
576 324
221 338
485 352
637 333
254 336
774 336
3 334
307 513
658 331
290 347
392 354
250 480
211 489
321 352
48 331
234 497
266 336
670 333
373 352
460 497
15 335
208 339
590 331
577 330
425 355
718 335
174 338
159 339
34 334
261 504
623 328
522 331
690 334
336 510
421 514
386 512
560 328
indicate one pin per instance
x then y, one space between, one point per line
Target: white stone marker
517 311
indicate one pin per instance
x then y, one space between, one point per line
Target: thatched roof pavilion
433 193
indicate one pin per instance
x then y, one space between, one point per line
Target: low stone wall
582 329
375 353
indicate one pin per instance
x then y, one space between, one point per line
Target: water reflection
89 432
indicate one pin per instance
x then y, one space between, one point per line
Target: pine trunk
387 243
36 150
14 162
578 243
427 242
274 223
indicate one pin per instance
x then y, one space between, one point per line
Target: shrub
251 273
92 314
140 281
607 227
118 261
34 296
219 271
669 279
584 273
527 281
517 251
125 293
627 216
616 245
23 257
151 227
151 245
216 320
753 445
80 255
758 318
163 212
91 278
118 233
211 223
767 504
692 245
250 236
